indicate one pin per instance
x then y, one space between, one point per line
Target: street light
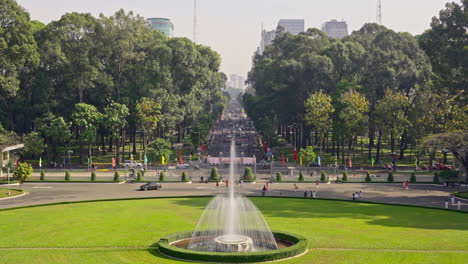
255 162
69 159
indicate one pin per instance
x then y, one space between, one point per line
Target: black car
150 186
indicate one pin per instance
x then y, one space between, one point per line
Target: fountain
232 229
232 223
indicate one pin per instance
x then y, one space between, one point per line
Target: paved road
39 193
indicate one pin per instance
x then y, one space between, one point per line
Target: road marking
200 188
42 187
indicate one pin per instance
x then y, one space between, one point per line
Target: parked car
132 164
150 186
182 166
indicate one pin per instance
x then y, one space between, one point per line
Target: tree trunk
111 140
81 147
403 144
379 146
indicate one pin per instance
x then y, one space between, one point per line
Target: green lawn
13 192
463 195
338 232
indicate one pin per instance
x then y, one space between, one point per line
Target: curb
12 197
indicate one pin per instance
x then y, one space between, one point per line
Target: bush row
299 247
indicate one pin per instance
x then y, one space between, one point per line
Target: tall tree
318 113
115 119
86 118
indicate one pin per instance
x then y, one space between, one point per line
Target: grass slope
86 232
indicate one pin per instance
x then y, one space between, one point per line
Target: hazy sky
232 28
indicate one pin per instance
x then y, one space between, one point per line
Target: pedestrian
217 183
201 179
354 196
317 183
227 183
406 185
305 194
452 199
295 188
359 195
314 194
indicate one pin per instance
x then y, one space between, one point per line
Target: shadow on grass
375 214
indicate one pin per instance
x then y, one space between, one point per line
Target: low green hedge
299 247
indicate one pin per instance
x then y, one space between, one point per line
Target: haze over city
233 28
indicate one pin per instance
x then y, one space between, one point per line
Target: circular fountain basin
234 243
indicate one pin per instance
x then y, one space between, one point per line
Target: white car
132 164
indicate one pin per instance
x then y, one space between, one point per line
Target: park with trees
102 87
376 95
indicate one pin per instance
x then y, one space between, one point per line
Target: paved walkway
40 193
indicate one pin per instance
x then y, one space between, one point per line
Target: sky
232 27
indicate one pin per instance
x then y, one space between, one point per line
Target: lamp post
272 160
255 170
69 159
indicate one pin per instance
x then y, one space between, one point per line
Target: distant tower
195 21
379 12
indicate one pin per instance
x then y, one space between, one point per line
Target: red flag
350 163
113 162
16 162
203 147
283 159
265 147
295 154
181 160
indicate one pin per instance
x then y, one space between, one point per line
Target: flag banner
300 160
40 162
372 162
89 162
416 162
283 159
350 163
113 162
295 154
181 159
163 161
319 161
145 160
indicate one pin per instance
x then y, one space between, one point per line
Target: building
335 29
293 26
236 82
267 39
162 24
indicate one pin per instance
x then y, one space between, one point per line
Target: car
132 164
150 186
182 166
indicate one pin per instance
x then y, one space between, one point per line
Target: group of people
357 195
313 195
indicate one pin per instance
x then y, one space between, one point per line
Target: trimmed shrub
42 178
279 177
300 246
162 176
248 175
436 178
139 176
301 176
324 177
67 176
413 177
345 176
368 178
116 176
390 177
184 177
214 176
93 176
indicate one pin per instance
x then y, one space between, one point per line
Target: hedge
299 247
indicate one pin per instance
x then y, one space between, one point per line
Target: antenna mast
195 21
379 12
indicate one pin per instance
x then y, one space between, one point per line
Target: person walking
452 199
354 196
316 183
227 183
314 194
217 183
294 188
305 194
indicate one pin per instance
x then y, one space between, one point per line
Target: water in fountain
232 223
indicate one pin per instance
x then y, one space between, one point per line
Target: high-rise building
293 26
335 29
162 24
267 39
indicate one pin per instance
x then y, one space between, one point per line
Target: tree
353 114
214 176
455 142
86 119
301 177
446 45
55 130
318 113
248 175
184 177
159 148
115 119
23 172
308 155
34 144
18 49
148 113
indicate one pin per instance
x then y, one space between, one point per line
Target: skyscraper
335 29
293 26
162 24
267 39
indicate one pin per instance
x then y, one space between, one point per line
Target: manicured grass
13 192
82 232
462 195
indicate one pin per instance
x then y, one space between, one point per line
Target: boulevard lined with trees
374 89
99 82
